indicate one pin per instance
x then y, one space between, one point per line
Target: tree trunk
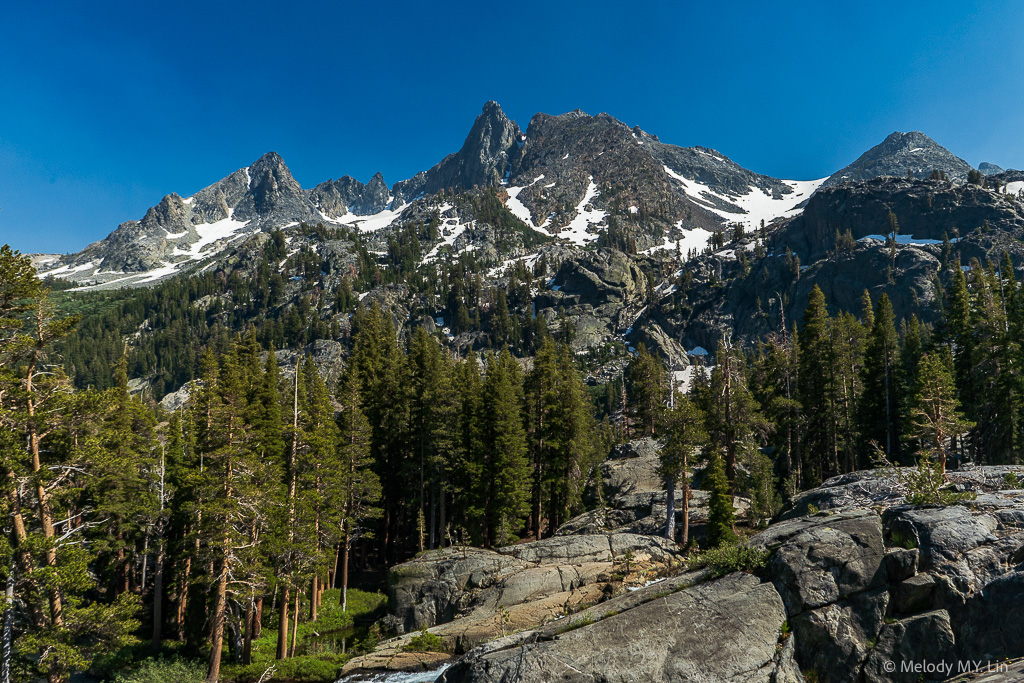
344 568
670 508
314 592
219 614
250 616
257 626
8 635
158 597
686 509
295 623
282 626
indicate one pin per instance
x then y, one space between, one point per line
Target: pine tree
505 467
360 485
433 413
684 429
45 443
936 412
570 442
721 516
879 411
815 388
644 386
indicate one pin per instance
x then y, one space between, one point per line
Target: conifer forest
247 510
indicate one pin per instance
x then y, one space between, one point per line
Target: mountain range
567 177
598 228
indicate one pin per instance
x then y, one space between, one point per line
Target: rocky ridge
596 170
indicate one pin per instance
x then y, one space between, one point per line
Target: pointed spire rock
489 151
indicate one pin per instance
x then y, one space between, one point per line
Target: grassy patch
574 624
322 662
160 670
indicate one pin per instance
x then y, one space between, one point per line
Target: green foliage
159 670
425 641
573 624
926 485
901 540
1012 481
732 557
721 516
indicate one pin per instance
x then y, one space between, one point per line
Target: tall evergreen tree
360 485
879 415
685 434
505 466
645 388
936 411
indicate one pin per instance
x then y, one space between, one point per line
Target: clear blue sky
106 107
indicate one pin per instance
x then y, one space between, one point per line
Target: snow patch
903 239
586 216
754 206
373 222
209 233
696 240
519 209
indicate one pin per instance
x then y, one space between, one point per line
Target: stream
397 676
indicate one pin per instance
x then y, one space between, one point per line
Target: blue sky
109 106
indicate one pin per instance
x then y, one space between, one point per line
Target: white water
399 677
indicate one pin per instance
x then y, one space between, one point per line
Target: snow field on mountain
755 206
696 239
210 233
586 216
450 229
519 209
373 222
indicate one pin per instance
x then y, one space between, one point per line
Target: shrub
574 624
425 642
160 670
925 485
732 557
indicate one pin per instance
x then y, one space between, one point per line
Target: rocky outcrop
725 630
490 148
925 209
473 584
865 591
336 198
600 293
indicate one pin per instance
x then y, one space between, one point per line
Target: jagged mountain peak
484 159
899 153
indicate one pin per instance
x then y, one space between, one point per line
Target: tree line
244 505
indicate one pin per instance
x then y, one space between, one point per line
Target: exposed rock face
489 149
335 198
600 293
858 603
725 630
902 152
925 209
441 585
726 298
990 169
